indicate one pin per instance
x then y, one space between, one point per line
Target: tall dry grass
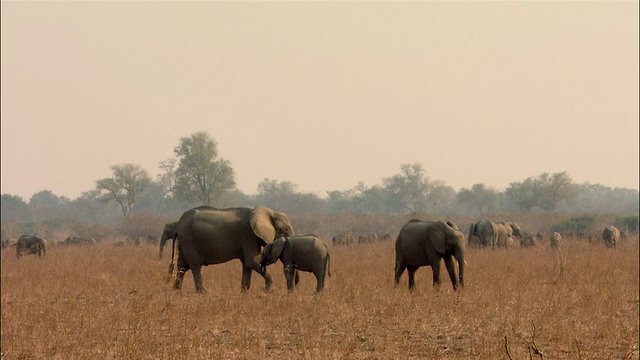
107 302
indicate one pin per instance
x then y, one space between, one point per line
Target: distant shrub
628 223
579 225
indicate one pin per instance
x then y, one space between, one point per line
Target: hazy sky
321 94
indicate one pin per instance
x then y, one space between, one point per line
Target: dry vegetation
107 302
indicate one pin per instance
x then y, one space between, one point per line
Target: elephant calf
304 253
28 244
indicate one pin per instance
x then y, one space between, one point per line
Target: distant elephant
8 242
424 243
28 244
486 233
72 240
527 240
513 229
345 239
168 232
207 235
610 235
299 253
555 239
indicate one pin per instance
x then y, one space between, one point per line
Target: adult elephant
207 236
485 233
29 244
425 243
506 233
168 232
610 235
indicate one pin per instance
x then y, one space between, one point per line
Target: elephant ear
262 223
452 225
276 249
438 238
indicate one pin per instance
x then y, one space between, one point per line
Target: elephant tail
329 265
173 251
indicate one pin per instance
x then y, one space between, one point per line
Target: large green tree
124 187
200 176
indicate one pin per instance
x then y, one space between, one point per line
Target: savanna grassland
108 302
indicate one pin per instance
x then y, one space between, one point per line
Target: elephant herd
259 236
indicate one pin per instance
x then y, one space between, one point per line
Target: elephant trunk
461 264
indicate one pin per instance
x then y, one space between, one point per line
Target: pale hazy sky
321 94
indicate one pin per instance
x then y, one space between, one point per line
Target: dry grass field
107 302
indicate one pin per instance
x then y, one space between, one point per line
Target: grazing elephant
28 244
610 235
207 236
346 239
299 253
72 240
555 239
527 240
424 243
169 232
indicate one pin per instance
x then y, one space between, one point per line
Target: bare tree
128 181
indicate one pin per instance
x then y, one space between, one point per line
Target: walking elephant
610 235
28 244
207 236
168 232
425 243
483 233
486 233
299 253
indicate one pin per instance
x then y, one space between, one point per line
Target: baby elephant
303 252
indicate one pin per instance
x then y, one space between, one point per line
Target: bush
579 225
627 223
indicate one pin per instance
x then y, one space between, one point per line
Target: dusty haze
321 94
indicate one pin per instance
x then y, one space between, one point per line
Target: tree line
197 176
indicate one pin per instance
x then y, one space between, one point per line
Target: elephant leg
252 263
412 276
400 267
183 267
451 269
297 277
435 266
197 278
246 276
290 273
180 277
320 280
